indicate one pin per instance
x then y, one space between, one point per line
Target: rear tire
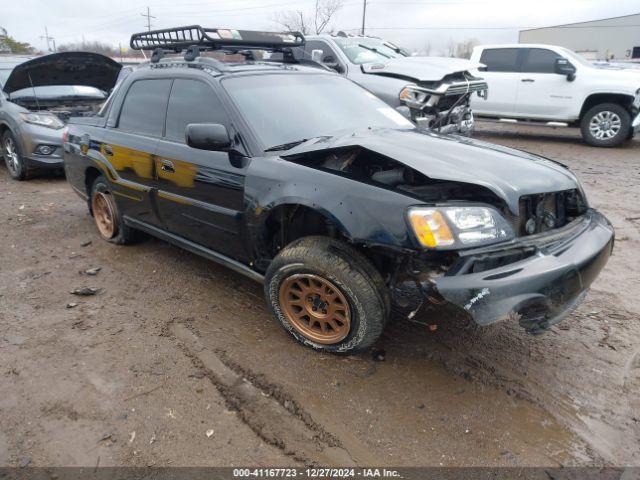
327 295
13 159
104 210
605 125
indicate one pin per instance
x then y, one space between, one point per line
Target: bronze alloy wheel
104 210
316 308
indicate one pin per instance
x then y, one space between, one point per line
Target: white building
611 38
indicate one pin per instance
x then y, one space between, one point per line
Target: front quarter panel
364 213
386 88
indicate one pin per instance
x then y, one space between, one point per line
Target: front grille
465 87
547 211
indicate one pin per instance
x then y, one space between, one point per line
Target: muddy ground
176 360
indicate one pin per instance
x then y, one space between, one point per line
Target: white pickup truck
553 86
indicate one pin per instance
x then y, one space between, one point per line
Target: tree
317 22
451 48
464 49
11 45
293 21
89 46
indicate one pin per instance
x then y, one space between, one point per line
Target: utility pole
364 14
149 17
48 39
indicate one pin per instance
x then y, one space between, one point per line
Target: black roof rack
178 38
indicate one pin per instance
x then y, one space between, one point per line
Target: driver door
200 193
542 93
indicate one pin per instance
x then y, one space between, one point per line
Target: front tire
605 125
327 295
16 166
103 208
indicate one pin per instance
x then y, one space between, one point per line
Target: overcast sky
411 23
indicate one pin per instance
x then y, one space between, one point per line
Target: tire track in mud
272 414
602 431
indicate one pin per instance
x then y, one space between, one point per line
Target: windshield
288 108
362 50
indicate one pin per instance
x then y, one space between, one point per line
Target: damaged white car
434 92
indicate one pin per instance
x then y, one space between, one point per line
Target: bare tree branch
324 10
293 21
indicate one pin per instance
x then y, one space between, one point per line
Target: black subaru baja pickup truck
301 179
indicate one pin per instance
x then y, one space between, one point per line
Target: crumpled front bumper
539 290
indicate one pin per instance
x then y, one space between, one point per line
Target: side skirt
194 248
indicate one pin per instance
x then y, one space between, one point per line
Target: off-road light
430 227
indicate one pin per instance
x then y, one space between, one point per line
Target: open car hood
507 172
65 68
422 69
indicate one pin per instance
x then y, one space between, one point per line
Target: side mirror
565 67
316 55
208 136
332 63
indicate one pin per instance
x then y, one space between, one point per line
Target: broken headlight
43 119
412 96
458 227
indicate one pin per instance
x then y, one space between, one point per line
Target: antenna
149 17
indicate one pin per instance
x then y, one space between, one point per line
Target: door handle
108 150
167 166
528 80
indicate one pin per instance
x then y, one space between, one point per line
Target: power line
149 17
48 39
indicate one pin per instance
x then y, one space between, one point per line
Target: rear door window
192 101
144 107
500 59
540 60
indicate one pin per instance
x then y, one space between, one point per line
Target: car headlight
458 227
43 119
413 96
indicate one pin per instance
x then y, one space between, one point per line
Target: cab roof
218 67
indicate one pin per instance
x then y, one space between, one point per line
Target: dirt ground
176 360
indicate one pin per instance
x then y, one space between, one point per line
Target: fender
364 213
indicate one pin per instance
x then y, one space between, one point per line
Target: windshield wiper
375 50
286 146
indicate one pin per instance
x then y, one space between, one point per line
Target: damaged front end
537 280
491 251
444 106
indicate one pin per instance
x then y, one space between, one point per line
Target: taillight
65 135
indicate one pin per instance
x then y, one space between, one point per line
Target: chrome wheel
605 125
11 157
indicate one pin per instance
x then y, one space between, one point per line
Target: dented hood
422 69
65 68
507 172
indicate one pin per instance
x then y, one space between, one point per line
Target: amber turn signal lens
430 228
